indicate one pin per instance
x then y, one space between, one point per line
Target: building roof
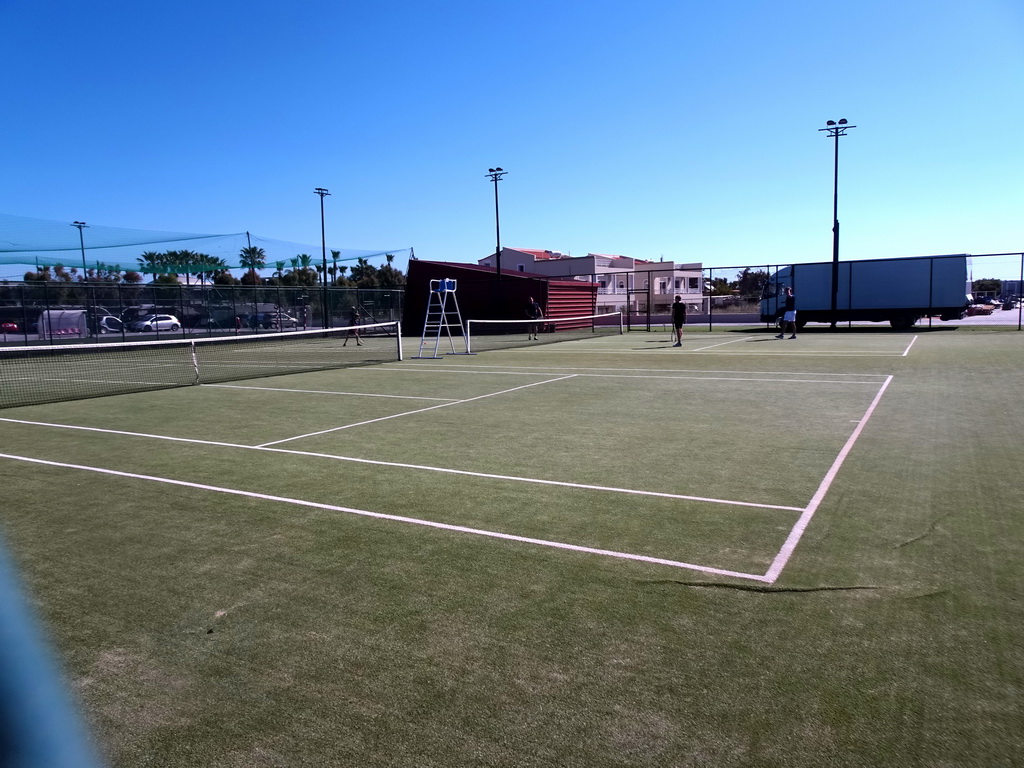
541 255
484 268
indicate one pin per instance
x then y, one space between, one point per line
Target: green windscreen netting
44 243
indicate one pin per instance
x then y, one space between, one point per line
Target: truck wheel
902 322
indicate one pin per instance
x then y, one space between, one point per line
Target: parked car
283 320
7 327
110 324
155 323
269 320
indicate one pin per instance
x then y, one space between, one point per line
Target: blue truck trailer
897 291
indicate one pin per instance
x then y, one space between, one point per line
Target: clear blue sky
678 128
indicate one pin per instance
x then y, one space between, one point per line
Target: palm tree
209 266
389 276
364 274
253 259
152 262
183 261
335 255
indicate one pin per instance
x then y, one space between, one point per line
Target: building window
694 284
521 267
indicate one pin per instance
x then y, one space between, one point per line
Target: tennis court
596 552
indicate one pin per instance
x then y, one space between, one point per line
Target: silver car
155 323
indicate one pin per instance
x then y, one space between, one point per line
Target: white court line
731 341
679 378
661 352
719 378
410 413
801 524
418 467
397 518
327 392
907 350
520 369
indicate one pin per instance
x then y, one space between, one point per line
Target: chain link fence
55 311
733 295
712 295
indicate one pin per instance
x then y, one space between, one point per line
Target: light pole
323 244
80 225
834 131
495 174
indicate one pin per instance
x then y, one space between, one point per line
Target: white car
155 323
109 324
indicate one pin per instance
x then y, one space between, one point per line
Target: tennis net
53 373
484 335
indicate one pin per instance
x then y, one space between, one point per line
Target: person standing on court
353 320
679 319
789 316
534 312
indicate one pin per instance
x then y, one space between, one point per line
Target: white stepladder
442 315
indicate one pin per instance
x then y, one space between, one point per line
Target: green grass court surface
611 552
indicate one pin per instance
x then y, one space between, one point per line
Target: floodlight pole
80 225
495 174
323 245
834 131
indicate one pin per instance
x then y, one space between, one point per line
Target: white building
625 284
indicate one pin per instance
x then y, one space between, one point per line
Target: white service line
397 518
801 524
731 341
819 353
684 378
907 350
410 413
328 392
519 369
721 378
418 467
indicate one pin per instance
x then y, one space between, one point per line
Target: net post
621 329
398 333
469 334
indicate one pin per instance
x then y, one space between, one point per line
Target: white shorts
789 317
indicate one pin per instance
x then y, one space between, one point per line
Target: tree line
167 267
